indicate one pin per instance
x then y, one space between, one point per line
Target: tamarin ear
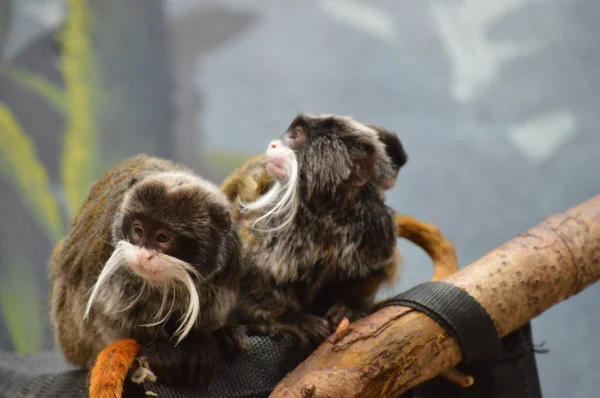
365 167
221 217
401 155
393 146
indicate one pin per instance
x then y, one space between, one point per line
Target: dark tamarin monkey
152 260
321 224
252 180
339 295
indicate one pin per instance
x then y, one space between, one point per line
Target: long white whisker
169 312
113 263
173 301
175 271
163 302
107 242
280 200
193 309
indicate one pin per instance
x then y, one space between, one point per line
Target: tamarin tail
111 368
429 238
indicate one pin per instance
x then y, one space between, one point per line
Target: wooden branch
397 348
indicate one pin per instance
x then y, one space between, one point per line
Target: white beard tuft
178 274
279 204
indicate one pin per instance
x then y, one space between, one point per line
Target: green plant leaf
79 160
38 85
20 306
27 173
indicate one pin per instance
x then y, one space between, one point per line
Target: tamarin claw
342 329
457 377
143 373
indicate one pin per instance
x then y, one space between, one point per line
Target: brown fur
252 180
200 216
296 277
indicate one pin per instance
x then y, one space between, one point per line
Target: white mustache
281 200
178 273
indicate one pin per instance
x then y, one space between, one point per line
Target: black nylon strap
459 314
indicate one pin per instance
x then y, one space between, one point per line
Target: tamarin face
172 231
332 153
167 220
322 159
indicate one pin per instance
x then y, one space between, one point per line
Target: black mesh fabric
253 374
256 373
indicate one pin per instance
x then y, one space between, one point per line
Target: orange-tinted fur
111 369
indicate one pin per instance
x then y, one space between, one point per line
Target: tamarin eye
294 133
163 238
295 138
138 231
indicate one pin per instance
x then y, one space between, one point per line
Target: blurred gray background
496 103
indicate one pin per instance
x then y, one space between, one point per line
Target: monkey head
395 151
330 153
173 231
325 159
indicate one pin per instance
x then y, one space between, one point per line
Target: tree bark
397 348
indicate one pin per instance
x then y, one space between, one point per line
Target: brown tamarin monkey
252 180
151 264
320 225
